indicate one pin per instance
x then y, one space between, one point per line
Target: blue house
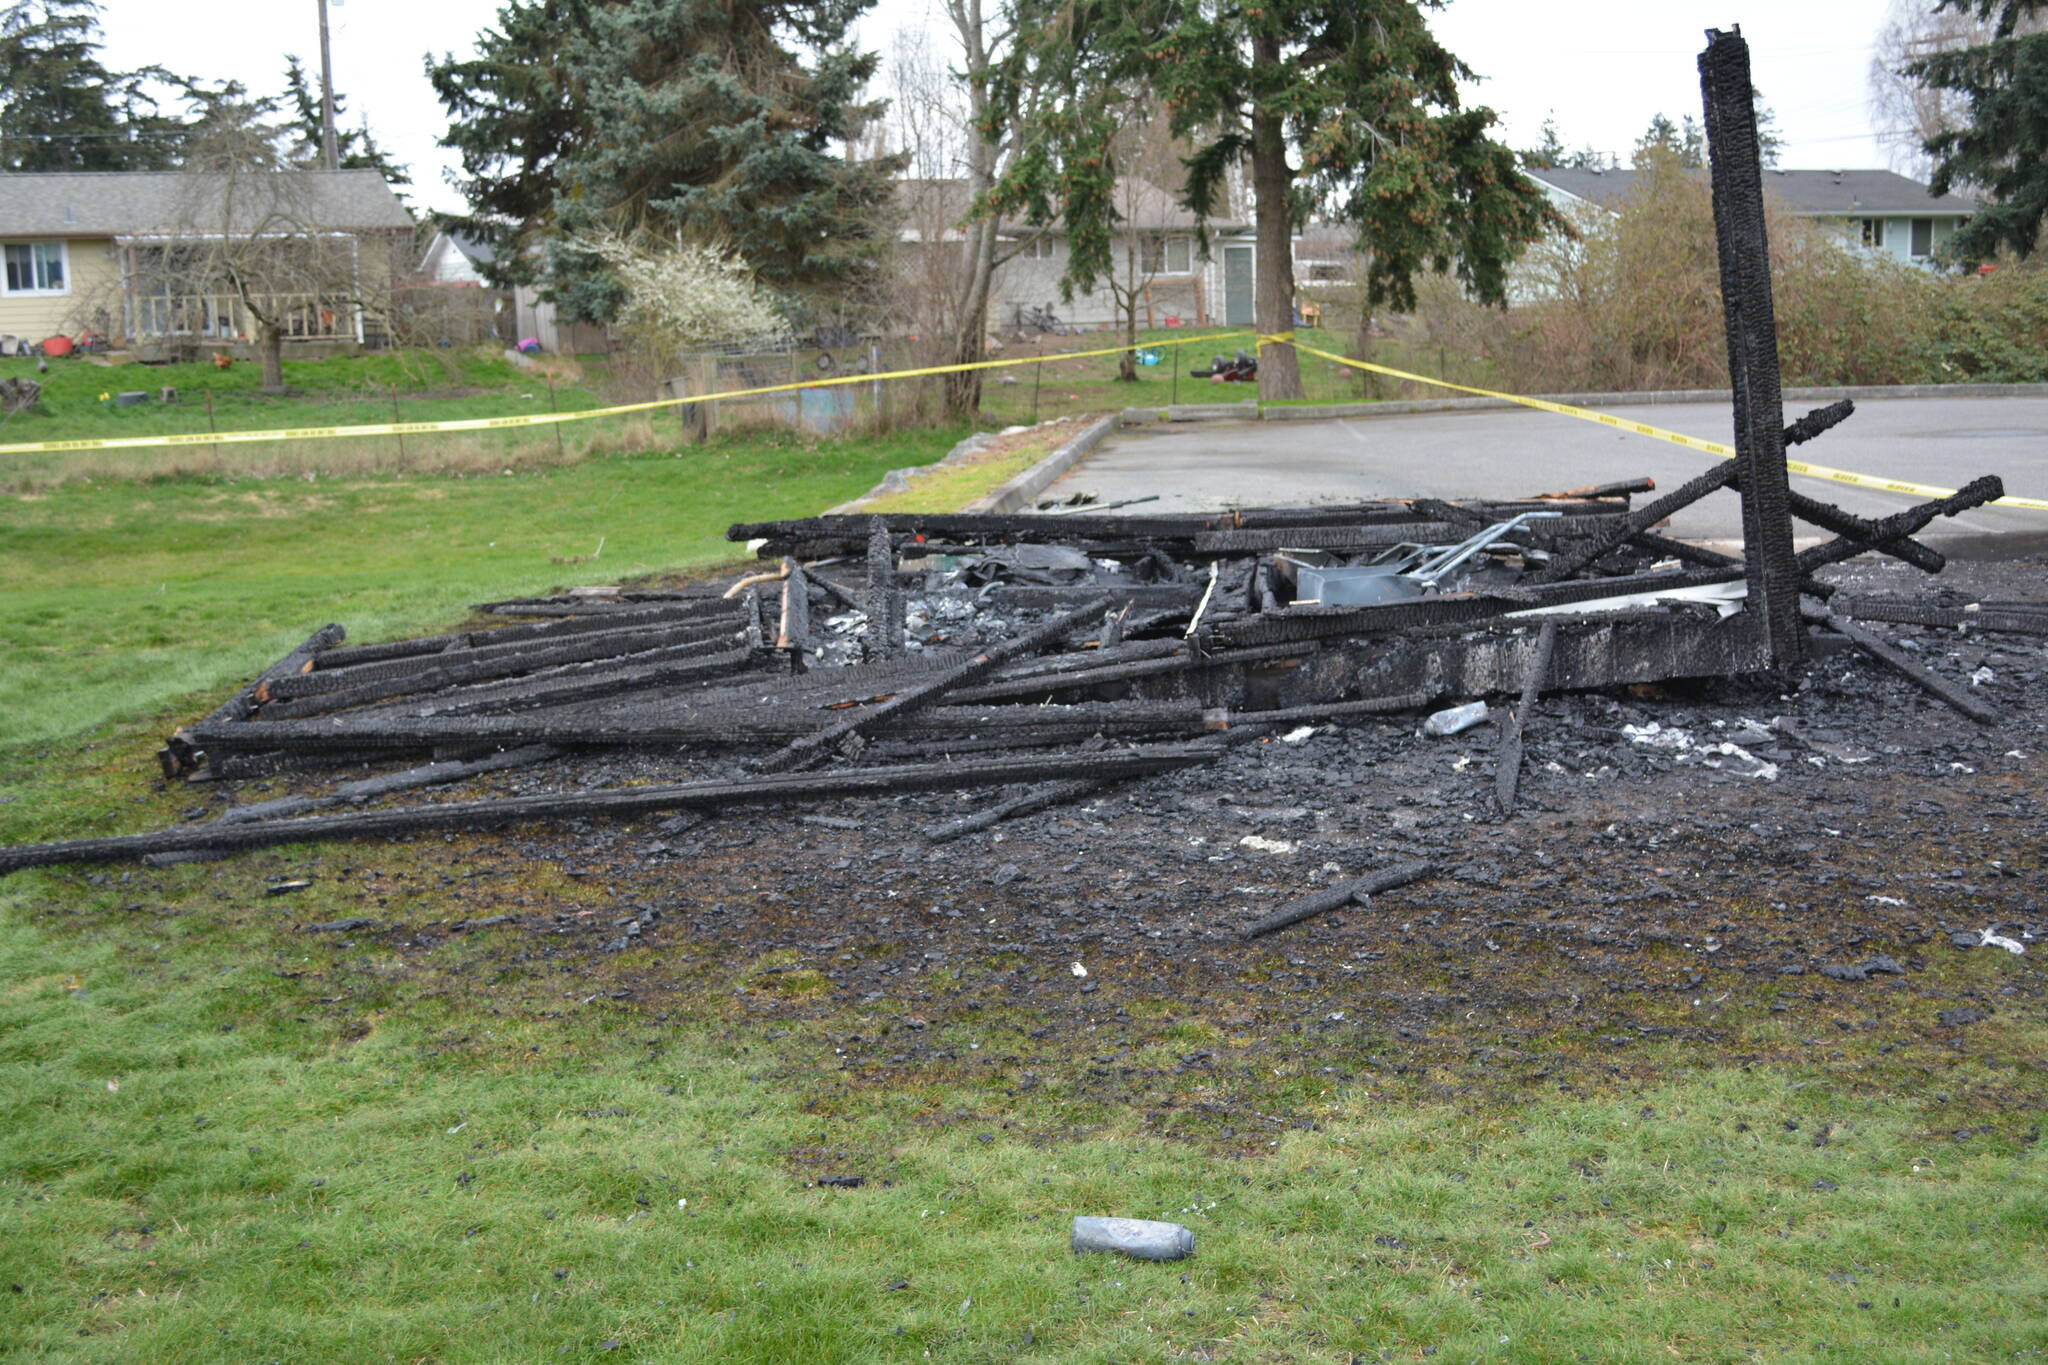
1878 211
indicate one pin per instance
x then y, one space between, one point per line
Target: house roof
1143 205
1845 193
1326 242
117 203
471 250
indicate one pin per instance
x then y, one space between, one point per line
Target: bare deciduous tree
250 251
1907 113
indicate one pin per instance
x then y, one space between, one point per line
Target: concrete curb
1397 407
1018 492
1192 412
898 480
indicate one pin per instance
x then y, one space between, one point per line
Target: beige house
1156 251
133 256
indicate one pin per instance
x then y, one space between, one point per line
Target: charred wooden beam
1046 684
1736 171
584 623
1898 526
619 803
1507 773
795 630
1928 681
1322 623
1330 898
387 784
1798 433
440 678
1620 489
182 754
1597 650
884 598
1639 519
2012 618
1369 537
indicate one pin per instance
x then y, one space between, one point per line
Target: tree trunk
1127 363
978 256
1273 298
270 349
1361 344
970 326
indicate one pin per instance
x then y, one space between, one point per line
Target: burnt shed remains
1046 656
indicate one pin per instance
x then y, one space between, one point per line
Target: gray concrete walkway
1211 465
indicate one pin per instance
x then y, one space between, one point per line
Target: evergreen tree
1685 142
61 109
1549 153
1351 110
1660 138
355 148
716 122
512 112
2003 143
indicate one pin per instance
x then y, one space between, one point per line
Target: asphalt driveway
1505 453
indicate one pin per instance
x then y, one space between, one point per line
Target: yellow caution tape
208 438
1726 452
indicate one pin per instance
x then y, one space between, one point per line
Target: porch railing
221 317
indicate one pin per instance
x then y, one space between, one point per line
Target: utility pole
329 156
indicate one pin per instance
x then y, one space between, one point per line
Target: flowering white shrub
681 297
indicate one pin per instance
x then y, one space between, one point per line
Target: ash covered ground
1646 892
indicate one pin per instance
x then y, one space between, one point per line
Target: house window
1923 237
1039 248
36 268
1873 232
1160 255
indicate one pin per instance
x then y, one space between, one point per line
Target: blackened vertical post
884 598
1745 257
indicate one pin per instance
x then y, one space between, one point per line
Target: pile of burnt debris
1044 657
1047 656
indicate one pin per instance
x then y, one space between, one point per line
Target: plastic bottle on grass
1137 1237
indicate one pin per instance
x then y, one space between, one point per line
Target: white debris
1996 940
1296 736
1981 676
1451 721
1655 736
1884 900
1265 845
1738 760
1724 755
1079 970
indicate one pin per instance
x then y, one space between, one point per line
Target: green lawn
223 1140
116 597
409 386
226 1139
1069 387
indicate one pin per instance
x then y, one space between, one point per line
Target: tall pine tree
721 122
61 109
1350 109
2003 146
355 149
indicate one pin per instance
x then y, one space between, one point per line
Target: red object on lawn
57 346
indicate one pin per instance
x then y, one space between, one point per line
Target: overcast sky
1602 67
